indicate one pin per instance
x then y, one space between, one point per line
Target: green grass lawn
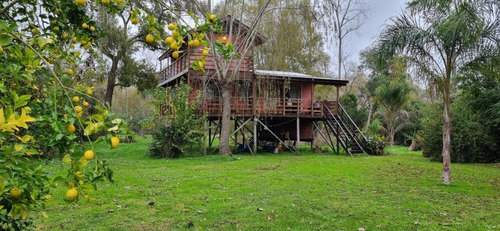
310 191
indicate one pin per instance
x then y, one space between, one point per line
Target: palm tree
439 38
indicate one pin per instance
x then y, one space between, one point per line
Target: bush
471 140
181 130
376 143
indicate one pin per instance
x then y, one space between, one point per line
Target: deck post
298 134
209 133
338 93
254 134
204 140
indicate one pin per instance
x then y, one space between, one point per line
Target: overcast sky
380 13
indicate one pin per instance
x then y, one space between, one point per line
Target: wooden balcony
177 68
270 107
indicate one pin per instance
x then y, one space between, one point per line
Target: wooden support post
337 138
255 134
204 141
236 133
284 98
209 133
338 93
254 96
298 134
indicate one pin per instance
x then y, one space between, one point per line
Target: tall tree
345 16
440 38
294 42
124 36
393 95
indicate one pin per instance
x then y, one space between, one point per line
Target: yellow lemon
105 2
172 26
72 193
169 40
85 104
85 25
92 28
175 55
150 38
213 17
89 92
89 155
69 71
114 142
196 42
78 109
71 128
200 64
205 52
174 46
135 21
80 2
76 99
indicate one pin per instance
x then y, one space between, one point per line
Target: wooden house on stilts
275 107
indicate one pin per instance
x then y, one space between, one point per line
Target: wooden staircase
340 124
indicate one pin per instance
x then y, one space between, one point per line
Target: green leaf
67 159
5 40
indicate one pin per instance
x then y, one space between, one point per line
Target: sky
380 12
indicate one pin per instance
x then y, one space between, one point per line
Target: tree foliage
350 103
183 130
440 39
44 111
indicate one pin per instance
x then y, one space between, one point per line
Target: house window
293 92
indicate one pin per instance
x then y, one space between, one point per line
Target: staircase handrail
355 126
330 112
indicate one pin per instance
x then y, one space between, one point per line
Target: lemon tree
44 111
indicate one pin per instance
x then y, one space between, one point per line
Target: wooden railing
265 107
178 67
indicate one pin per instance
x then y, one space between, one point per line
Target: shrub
471 140
181 131
376 143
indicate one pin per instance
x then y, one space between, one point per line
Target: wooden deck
179 67
269 107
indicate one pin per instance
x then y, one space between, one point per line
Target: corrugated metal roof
295 75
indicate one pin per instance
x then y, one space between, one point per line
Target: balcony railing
265 107
178 67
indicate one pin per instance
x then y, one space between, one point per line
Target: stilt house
273 106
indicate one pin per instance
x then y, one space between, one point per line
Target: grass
283 191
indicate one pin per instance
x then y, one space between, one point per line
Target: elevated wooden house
273 106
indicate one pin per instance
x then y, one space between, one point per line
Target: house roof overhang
298 77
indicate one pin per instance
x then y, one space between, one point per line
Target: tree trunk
340 54
226 120
370 111
111 81
392 132
446 135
